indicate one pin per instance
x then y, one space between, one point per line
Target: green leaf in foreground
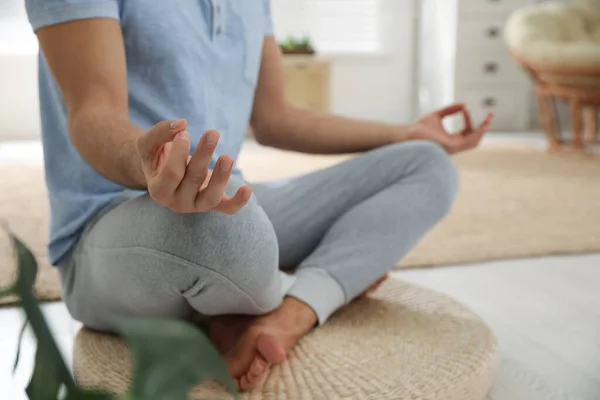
44 384
28 269
170 358
50 370
12 290
19 342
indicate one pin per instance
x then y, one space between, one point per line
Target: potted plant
293 45
159 347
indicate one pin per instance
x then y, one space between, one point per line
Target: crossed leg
340 230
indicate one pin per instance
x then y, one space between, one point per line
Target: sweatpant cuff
318 290
287 281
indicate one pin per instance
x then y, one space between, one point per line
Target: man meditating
130 89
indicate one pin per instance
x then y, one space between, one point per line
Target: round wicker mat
405 342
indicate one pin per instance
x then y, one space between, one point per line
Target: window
335 26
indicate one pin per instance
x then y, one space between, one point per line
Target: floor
545 313
546 316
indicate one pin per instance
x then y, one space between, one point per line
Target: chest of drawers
462 58
307 82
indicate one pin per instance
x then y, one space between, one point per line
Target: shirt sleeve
269 26
43 13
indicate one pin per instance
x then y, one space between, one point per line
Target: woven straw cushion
557 34
405 342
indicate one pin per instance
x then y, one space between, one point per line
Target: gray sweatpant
338 230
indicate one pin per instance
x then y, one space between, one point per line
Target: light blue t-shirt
194 59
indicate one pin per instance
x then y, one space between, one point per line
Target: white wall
19 111
369 86
376 86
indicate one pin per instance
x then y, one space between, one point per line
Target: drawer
307 85
491 67
509 105
491 6
476 34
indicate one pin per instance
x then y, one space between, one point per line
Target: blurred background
389 60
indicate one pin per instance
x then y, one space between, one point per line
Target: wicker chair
558 44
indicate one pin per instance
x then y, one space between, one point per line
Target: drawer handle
491 67
489 102
493 32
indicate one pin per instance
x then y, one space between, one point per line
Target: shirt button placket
217 18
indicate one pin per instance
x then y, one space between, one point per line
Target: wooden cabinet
307 81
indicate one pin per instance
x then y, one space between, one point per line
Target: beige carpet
24 208
514 203
361 353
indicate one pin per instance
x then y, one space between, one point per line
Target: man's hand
185 184
430 127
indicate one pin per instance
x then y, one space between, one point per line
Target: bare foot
267 340
225 330
252 344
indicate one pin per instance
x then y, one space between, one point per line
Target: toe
271 349
258 368
245 352
255 374
241 357
244 383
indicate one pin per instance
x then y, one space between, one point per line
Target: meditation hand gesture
182 183
430 127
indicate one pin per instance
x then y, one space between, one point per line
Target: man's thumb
160 134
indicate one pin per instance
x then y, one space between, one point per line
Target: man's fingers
171 174
473 139
467 120
211 196
231 205
485 125
450 110
160 134
197 168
